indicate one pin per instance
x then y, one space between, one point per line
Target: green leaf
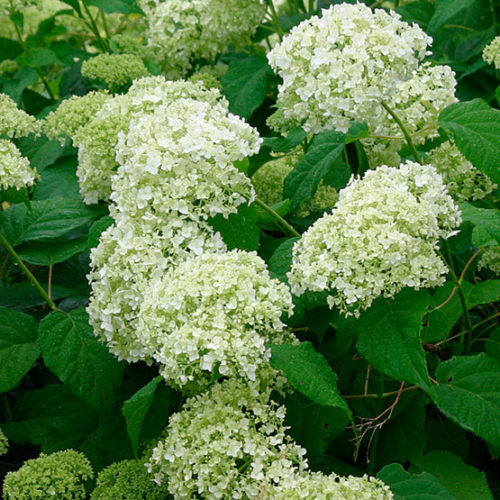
309 373
419 12
388 336
281 261
24 295
443 434
121 6
486 224
461 480
97 228
239 230
406 486
244 84
58 181
280 145
483 293
492 346
18 347
47 219
445 10
469 394
136 408
475 126
322 155
51 417
37 57
51 252
82 363
73 3
9 49
41 152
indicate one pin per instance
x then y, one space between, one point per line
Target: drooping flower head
491 53
213 313
181 31
15 122
339 67
58 475
380 237
15 170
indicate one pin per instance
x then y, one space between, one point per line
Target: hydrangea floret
214 313
4 443
491 53
72 114
58 475
181 31
381 237
115 70
15 122
463 180
15 170
490 259
339 67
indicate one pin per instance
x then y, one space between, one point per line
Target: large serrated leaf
18 347
469 394
119 6
82 363
388 336
446 10
51 252
486 223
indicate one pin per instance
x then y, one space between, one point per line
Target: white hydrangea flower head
128 256
115 70
183 30
463 180
268 183
214 313
381 237
8 7
490 259
72 114
339 67
15 122
229 442
15 170
318 486
491 53
180 158
97 140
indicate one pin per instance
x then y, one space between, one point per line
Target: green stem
274 16
405 132
275 215
95 29
27 272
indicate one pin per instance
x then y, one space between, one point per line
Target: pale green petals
490 259
213 313
491 53
15 122
115 70
72 114
464 181
381 237
60 475
15 170
4 443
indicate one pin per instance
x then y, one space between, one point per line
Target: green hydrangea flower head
337 68
214 313
490 259
4 443
181 31
491 53
72 114
464 181
15 122
15 170
115 70
60 475
381 236
8 67
128 480
228 442
8 7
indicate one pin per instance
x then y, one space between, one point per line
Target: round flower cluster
463 180
180 158
15 122
115 70
181 31
128 256
59 475
213 312
491 53
268 184
8 67
72 114
381 237
8 7
4 443
127 480
229 442
15 170
490 259
340 67
97 140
